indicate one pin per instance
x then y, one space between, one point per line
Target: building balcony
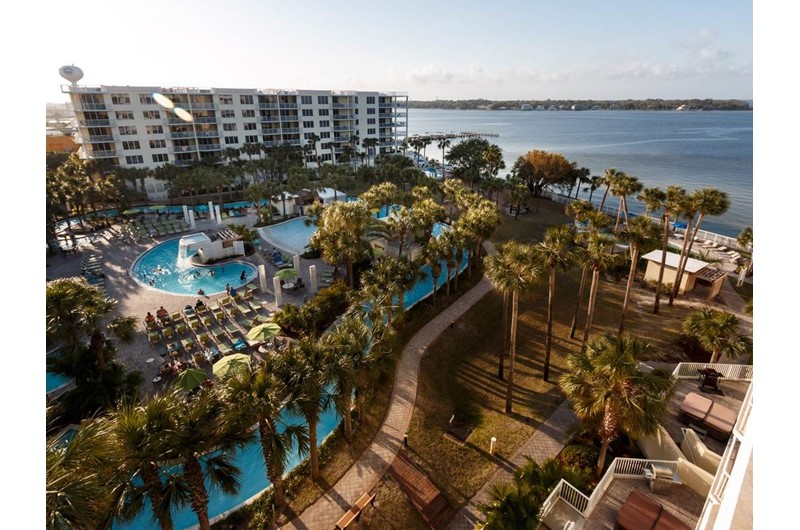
210 147
208 134
183 148
91 106
204 119
103 154
291 130
340 128
271 132
288 105
389 144
176 135
344 105
97 123
343 116
184 163
102 138
204 106
269 106
341 138
270 119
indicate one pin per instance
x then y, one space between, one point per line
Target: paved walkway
375 460
544 443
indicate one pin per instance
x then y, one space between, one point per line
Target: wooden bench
354 513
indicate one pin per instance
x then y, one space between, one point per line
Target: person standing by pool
228 289
243 276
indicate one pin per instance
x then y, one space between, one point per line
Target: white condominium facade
126 126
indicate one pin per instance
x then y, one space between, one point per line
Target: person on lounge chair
162 313
149 318
199 304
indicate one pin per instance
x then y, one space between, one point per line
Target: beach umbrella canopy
190 379
286 274
223 366
264 332
131 211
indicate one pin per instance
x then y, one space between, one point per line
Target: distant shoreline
578 105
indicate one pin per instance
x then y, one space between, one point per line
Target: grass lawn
745 290
530 226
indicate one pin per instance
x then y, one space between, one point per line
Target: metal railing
288 105
732 372
91 106
270 118
344 116
269 106
96 123
104 154
210 147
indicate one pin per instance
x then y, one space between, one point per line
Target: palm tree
594 182
259 397
77 311
432 254
611 393
307 368
638 232
623 186
718 332
203 444
512 270
78 492
394 276
443 144
707 201
596 256
510 507
674 199
610 175
745 241
553 251
138 432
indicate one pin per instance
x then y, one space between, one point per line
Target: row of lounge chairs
134 233
92 270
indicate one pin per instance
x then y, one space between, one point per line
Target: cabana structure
695 270
204 249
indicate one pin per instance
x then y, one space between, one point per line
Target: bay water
689 149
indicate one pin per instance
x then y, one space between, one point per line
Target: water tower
71 73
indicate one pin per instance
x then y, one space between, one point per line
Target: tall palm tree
395 276
204 444
77 311
611 393
595 182
443 144
610 176
745 241
718 332
552 252
623 186
259 397
596 256
707 201
432 254
674 199
512 269
307 369
639 232
138 433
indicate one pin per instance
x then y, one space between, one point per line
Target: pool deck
134 299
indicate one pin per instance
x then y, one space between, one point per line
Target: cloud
477 74
701 45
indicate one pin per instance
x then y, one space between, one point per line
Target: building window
325 123
371 110
370 100
245 99
158 144
307 136
225 99
326 157
308 112
324 112
134 159
155 129
326 146
372 131
322 100
152 115
146 99
251 139
227 113
229 140
126 130
120 99
370 121
250 126
129 146
161 157
124 115
305 100
325 134
308 125
249 113
228 126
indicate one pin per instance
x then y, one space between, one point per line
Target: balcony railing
103 154
344 105
291 130
732 372
339 128
174 135
184 163
269 106
344 116
204 119
101 138
203 106
270 119
91 106
341 138
96 123
270 132
288 105
184 148
210 147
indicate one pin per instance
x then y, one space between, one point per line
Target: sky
571 49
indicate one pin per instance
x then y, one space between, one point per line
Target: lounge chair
219 314
207 322
168 333
180 328
153 337
218 333
188 344
667 521
711 416
194 323
244 308
225 301
204 339
232 330
175 317
225 348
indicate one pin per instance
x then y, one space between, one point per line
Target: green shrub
579 455
315 315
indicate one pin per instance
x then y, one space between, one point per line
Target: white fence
732 372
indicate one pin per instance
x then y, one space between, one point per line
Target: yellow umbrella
264 332
224 365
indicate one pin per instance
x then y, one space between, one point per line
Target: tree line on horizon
605 104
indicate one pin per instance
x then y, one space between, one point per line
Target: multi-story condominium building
128 127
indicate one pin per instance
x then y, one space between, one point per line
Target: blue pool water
253 478
160 266
291 236
55 381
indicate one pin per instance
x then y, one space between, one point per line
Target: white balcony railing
731 372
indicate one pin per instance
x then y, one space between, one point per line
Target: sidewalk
373 463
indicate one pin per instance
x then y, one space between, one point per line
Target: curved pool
160 269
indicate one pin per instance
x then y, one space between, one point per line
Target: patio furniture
719 422
695 408
709 378
667 521
639 512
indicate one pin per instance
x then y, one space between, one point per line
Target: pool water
55 381
253 479
159 268
291 236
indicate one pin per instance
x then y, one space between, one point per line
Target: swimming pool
253 479
292 236
159 268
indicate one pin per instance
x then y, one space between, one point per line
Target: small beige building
695 270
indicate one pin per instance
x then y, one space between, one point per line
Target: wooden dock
454 136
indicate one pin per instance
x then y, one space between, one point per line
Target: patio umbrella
221 367
190 379
131 211
286 274
264 332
